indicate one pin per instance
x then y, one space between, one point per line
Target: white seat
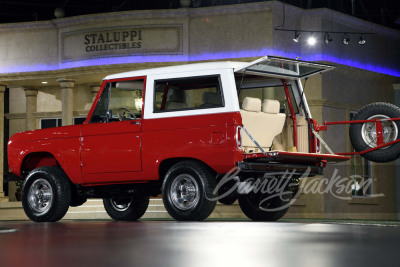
176 105
211 100
176 99
263 121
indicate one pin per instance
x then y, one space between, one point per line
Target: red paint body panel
111 151
191 137
167 138
61 142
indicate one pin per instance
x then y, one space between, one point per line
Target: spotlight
362 40
346 39
296 37
327 39
311 40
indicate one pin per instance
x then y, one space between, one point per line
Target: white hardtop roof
179 69
270 66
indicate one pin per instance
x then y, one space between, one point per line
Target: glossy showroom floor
170 243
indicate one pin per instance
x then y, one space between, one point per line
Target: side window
120 101
188 93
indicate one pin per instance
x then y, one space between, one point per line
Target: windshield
265 88
120 101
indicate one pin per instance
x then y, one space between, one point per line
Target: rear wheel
129 208
363 135
227 199
187 189
46 194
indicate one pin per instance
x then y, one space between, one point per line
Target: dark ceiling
385 12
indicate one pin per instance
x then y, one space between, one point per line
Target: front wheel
262 207
129 208
188 191
46 194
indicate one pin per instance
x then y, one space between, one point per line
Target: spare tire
363 135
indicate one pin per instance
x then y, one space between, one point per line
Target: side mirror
108 115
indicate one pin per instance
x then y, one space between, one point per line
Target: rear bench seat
263 121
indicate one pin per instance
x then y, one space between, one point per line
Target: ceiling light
296 37
346 39
327 38
311 40
44 82
362 40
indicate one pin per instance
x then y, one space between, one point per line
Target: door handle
135 122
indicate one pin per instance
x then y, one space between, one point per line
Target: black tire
46 194
270 210
76 199
361 140
230 198
191 183
130 208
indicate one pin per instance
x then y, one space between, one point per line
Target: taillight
317 145
238 137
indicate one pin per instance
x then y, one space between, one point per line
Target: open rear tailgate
297 157
282 161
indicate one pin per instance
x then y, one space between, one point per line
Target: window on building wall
188 93
56 122
79 120
50 122
361 174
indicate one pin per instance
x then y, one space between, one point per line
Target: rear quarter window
188 93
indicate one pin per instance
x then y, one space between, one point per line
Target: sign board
134 40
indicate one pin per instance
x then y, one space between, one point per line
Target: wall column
397 103
2 90
95 89
31 107
67 100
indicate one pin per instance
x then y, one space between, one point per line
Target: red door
110 148
111 139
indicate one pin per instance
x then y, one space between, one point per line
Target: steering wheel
122 116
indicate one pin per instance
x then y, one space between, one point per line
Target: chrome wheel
184 192
121 205
389 131
40 196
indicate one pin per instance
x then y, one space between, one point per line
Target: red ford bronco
181 130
